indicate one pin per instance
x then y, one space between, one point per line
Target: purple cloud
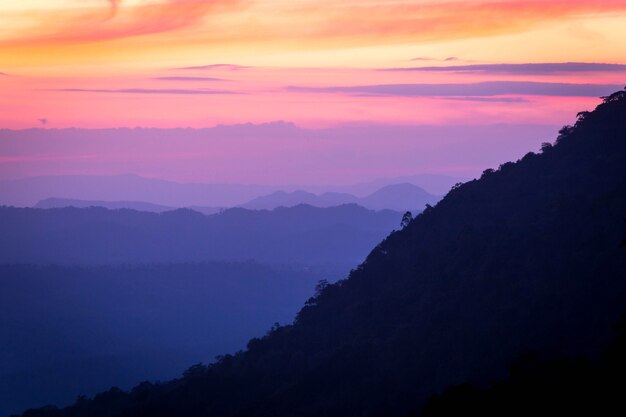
188 79
490 99
524 69
483 89
427 58
224 67
148 91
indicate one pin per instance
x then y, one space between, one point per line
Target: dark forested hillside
544 386
526 258
297 235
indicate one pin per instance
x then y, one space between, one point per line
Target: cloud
148 91
76 25
43 121
217 67
427 58
483 89
188 79
490 99
522 69
307 22
115 4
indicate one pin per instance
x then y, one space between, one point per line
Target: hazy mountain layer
398 197
78 330
298 235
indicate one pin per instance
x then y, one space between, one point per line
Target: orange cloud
150 32
76 26
431 21
349 23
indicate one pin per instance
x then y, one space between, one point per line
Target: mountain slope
526 257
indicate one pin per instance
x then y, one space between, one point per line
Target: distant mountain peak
398 197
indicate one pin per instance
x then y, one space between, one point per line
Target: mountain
54 202
68 330
528 257
301 235
126 190
26 192
436 184
401 197
398 197
290 199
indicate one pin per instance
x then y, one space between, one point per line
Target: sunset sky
318 64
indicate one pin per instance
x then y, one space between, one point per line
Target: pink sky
318 64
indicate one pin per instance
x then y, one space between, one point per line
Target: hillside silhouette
539 385
526 258
302 235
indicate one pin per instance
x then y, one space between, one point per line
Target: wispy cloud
117 21
483 89
188 79
426 58
311 21
148 91
490 99
115 4
217 67
522 69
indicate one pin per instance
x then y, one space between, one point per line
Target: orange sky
98 63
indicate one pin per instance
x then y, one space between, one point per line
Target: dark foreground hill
302 235
528 257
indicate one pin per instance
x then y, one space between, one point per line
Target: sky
461 66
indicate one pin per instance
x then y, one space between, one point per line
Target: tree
406 219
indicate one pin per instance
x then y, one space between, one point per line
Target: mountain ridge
526 257
95 235
399 197
26 192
